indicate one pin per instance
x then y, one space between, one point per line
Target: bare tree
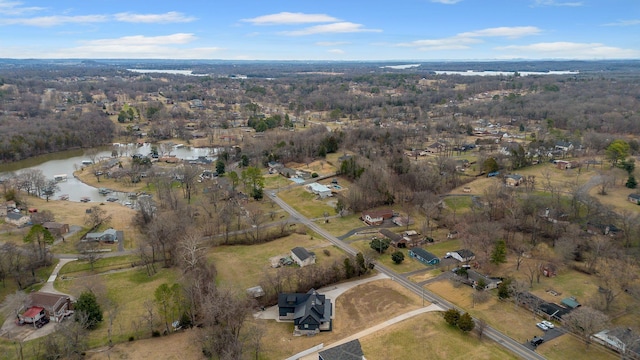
585 321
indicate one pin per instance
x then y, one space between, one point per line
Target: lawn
339 226
570 347
116 288
243 266
427 336
305 202
83 268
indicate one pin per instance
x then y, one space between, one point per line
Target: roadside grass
118 288
569 347
428 336
306 203
407 265
339 226
429 274
243 266
81 268
275 181
355 310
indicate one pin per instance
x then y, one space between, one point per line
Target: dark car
536 341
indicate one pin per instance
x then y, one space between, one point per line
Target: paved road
493 334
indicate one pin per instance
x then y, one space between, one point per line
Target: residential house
302 257
376 217
310 312
17 219
413 238
56 229
621 340
513 179
463 255
564 146
563 165
510 147
321 190
436 147
634 198
32 315
397 240
424 256
351 350
56 306
475 278
107 236
552 311
603 229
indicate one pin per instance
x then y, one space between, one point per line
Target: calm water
68 162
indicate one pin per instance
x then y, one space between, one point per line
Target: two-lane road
493 334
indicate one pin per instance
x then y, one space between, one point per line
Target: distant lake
167 71
505 73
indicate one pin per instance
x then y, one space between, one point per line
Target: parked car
542 326
548 324
536 341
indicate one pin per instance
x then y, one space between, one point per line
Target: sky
373 30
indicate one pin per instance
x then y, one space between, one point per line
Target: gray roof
14 216
347 351
424 254
301 253
465 253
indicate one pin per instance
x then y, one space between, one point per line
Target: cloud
556 3
624 23
141 40
284 18
463 40
15 8
571 50
338 27
446 2
139 46
331 43
336 51
48 21
452 43
508 32
169 17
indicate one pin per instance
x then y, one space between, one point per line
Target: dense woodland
388 114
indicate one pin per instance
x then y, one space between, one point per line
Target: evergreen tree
631 182
87 304
452 316
499 253
466 323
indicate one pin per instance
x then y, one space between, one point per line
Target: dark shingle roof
301 253
347 351
424 254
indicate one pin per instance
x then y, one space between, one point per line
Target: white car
548 324
542 326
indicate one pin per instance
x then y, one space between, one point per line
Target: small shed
424 256
634 198
56 228
570 302
302 257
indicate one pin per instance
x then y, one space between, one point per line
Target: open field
339 226
243 266
306 203
428 336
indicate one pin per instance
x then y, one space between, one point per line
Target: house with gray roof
424 256
302 256
310 312
107 236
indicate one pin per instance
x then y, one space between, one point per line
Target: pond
63 164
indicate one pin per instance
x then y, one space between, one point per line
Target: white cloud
336 51
452 43
624 23
463 40
331 43
446 2
48 21
504 31
141 40
15 8
339 27
557 3
290 18
570 50
169 17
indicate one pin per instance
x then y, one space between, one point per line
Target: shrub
314 175
326 252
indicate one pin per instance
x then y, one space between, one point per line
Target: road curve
510 344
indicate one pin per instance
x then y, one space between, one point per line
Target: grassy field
116 287
83 268
243 266
305 202
427 336
339 226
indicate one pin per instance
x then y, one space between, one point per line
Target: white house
462 255
302 257
320 190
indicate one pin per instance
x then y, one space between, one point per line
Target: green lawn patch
81 267
306 203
